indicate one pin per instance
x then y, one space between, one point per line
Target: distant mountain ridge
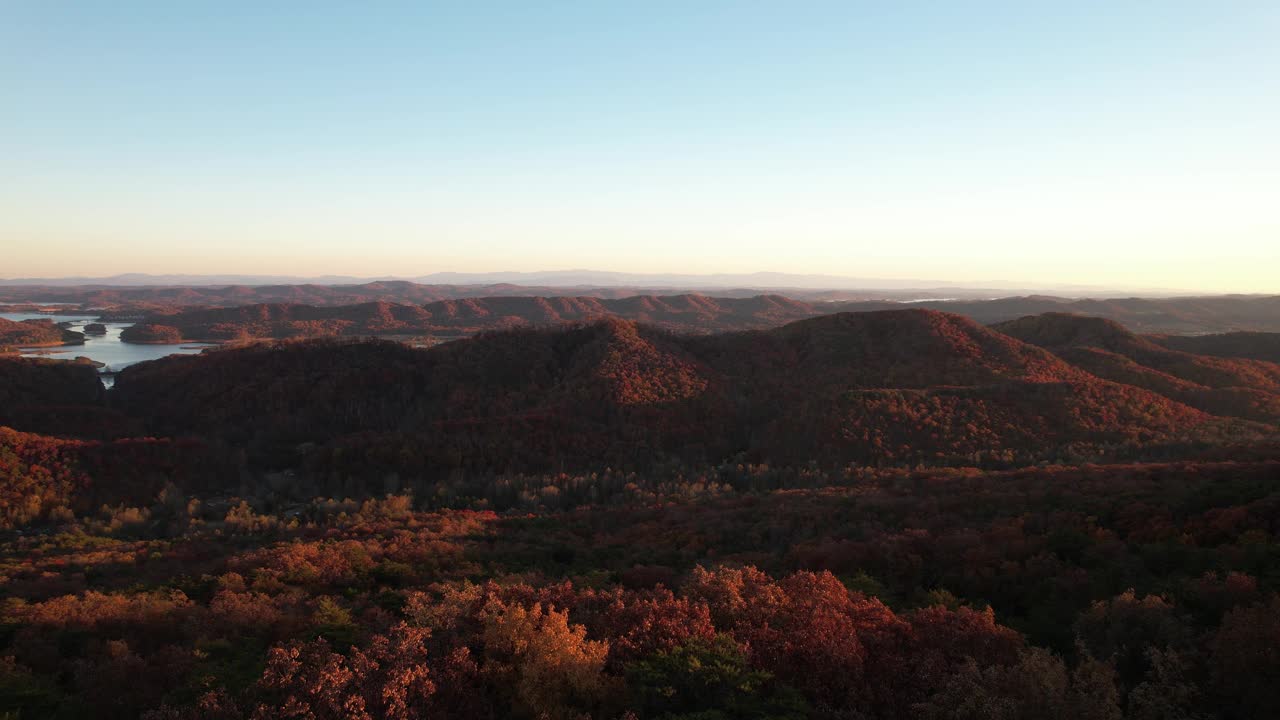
31 333
759 281
466 316
688 312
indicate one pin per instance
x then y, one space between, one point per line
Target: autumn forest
893 514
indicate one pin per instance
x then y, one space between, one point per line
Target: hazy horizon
1084 145
583 278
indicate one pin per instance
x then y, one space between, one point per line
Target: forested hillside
1256 345
688 312
34 333
224 313
1238 386
889 388
888 515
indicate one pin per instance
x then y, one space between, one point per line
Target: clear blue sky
1116 143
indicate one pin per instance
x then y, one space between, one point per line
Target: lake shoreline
106 349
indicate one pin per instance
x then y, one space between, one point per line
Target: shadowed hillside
897 387
1255 345
1144 315
930 493
1223 386
163 297
56 397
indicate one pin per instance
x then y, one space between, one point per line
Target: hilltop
896 387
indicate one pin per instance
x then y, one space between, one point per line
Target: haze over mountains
606 279
173 308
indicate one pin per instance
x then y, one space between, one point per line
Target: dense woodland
466 316
1256 345
237 312
686 313
1235 386
34 333
866 515
160 297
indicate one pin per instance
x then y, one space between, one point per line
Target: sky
1128 144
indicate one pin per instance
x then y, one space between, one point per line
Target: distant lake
106 349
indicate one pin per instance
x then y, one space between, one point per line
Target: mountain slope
923 386
33 333
1254 345
56 397
899 387
1221 386
896 348
467 316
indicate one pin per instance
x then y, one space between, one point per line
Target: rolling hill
1239 387
902 387
687 313
35 333
462 317
1255 345
1170 315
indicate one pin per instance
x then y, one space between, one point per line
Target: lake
106 349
